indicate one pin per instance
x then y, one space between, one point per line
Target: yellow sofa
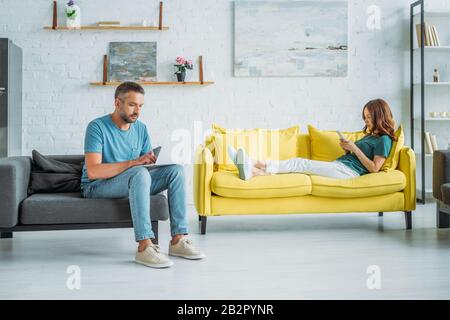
221 192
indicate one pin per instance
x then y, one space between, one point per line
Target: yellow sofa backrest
260 144
304 148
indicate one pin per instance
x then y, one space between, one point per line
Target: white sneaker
244 164
185 249
152 257
232 154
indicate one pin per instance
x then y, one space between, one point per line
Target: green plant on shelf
71 11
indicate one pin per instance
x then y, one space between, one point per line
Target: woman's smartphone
341 136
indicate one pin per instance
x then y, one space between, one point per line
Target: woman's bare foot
260 165
258 172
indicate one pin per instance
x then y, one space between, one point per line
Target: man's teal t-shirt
115 145
371 146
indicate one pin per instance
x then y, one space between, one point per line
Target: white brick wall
58 66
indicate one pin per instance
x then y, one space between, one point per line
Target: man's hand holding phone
147 158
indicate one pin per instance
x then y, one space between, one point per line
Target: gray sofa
441 187
61 211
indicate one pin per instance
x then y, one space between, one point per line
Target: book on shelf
438 42
419 34
433 36
428 145
430 35
433 142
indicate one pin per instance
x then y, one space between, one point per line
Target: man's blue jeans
138 183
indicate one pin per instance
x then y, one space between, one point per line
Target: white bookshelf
433 119
436 48
426 155
436 95
443 84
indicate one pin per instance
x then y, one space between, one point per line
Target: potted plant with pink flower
182 65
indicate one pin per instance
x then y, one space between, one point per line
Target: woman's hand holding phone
345 143
348 146
341 136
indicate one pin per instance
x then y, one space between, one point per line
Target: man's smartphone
156 152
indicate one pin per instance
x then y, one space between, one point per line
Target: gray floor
249 257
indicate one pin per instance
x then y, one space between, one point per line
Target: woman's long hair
382 119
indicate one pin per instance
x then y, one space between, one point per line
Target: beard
128 119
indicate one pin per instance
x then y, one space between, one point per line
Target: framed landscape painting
296 38
132 61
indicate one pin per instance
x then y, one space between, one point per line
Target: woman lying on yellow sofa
363 156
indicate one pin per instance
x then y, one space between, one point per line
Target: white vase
75 21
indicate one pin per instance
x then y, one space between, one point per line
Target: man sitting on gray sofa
116 146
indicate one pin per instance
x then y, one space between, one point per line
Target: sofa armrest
445 188
14 179
407 165
441 172
203 171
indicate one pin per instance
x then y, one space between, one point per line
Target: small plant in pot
182 65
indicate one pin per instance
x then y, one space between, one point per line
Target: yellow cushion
260 144
325 144
247 141
368 185
228 184
304 146
393 158
279 144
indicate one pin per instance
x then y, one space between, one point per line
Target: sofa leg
442 218
380 214
6 235
202 224
155 231
408 220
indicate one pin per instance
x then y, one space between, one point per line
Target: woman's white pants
334 169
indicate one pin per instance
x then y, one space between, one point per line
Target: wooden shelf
158 83
134 28
96 27
201 81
